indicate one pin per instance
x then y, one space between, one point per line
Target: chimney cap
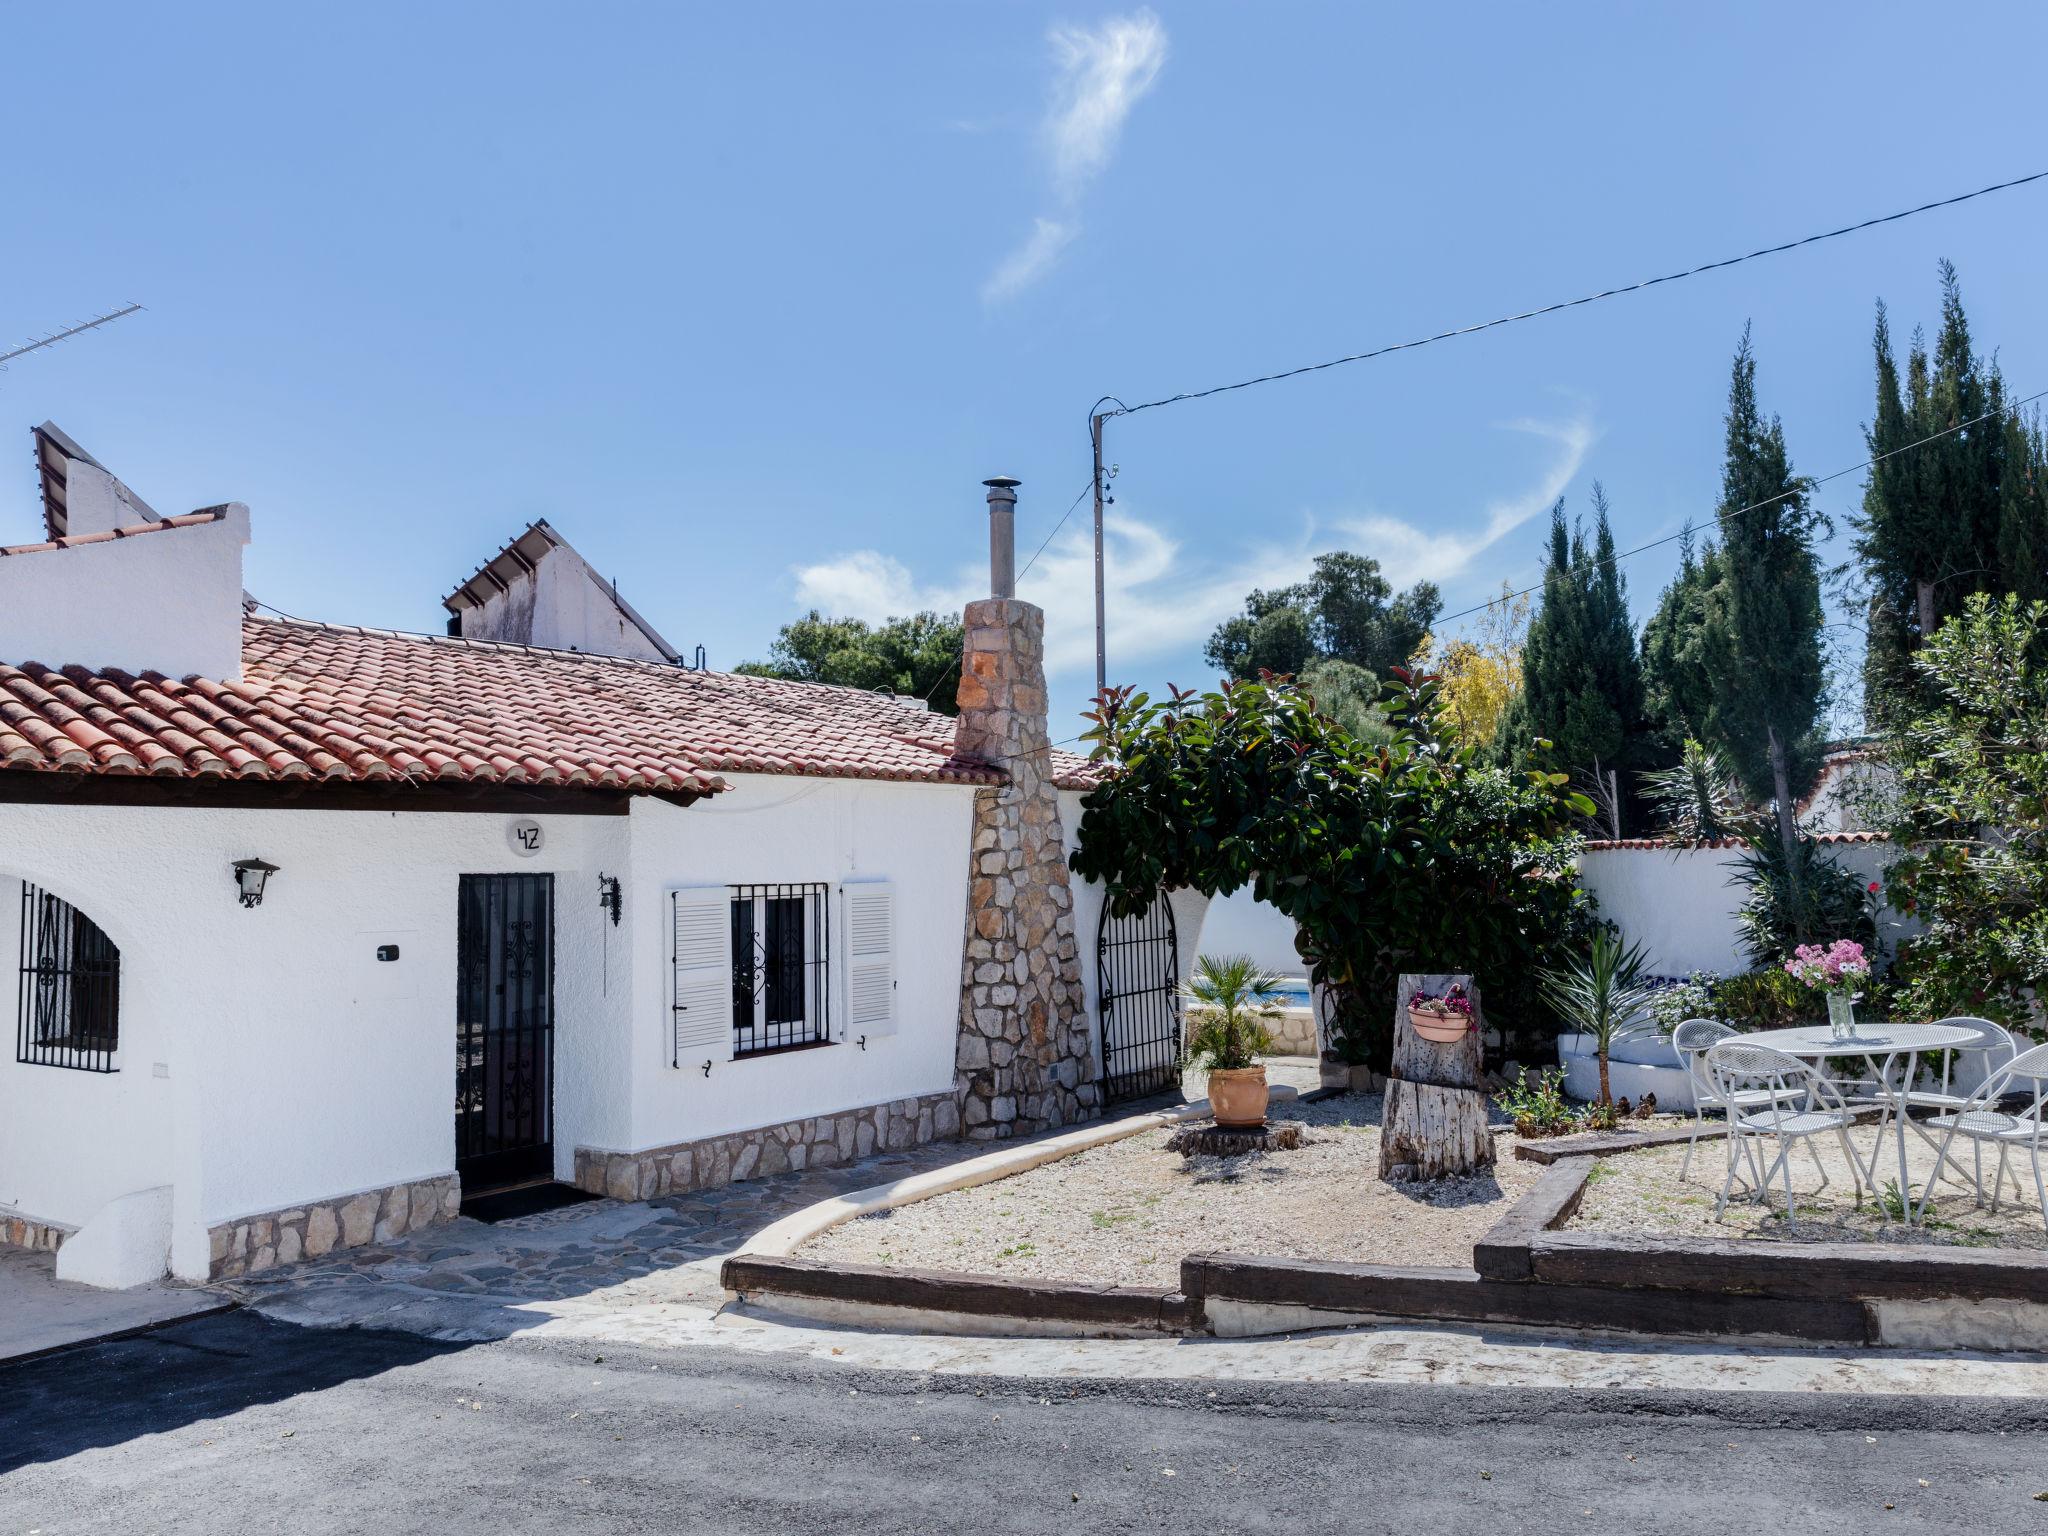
1002 483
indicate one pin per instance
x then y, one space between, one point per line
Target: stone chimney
1023 1059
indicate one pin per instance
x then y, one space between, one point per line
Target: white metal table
1884 1048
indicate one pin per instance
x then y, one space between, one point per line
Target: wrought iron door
504 1030
1137 968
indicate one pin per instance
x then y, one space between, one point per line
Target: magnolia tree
1407 855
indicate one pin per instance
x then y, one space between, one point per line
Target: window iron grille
781 967
68 1006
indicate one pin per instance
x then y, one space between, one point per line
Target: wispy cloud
1030 261
1409 552
1102 74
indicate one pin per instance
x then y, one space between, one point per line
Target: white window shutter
870 959
701 996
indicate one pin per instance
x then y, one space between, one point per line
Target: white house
323 929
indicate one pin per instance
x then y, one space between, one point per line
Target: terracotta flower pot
1439 1028
1237 1097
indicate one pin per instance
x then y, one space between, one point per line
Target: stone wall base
818 1142
319 1227
19 1231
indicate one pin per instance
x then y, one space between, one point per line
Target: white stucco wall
786 829
560 605
296 1065
1241 924
168 601
1680 905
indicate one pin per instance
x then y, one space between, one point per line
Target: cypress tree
1761 636
1581 680
1678 690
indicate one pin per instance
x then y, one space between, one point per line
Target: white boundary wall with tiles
1680 904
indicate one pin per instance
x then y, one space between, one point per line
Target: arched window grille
68 1007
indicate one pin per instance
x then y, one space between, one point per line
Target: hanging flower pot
1441 1020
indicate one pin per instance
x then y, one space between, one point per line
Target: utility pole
56 336
1101 652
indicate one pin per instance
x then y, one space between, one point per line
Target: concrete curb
780 1239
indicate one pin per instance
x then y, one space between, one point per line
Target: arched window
69 1003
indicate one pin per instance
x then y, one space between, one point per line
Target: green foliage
1761 636
1410 856
1581 682
1231 999
1678 687
1349 695
1539 1108
1692 998
1766 998
1809 900
1346 611
1695 801
1966 512
1601 995
913 656
1973 815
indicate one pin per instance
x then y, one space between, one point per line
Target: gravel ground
1641 1192
1129 1212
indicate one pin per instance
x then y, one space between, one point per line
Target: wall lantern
609 897
251 875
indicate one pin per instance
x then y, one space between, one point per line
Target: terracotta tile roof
334 703
1610 844
135 531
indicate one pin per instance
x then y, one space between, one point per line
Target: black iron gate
1137 968
504 1030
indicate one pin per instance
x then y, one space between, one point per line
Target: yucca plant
1603 996
1234 998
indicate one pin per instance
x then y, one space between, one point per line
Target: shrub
1777 914
1692 998
1765 998
1538 1108
1409 856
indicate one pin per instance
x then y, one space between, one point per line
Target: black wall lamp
251 875
609 897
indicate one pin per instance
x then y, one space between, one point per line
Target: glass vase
1842 1015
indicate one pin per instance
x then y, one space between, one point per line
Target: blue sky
746 300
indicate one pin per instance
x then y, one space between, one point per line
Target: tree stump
1434 1123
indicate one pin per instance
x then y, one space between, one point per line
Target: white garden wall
1680 903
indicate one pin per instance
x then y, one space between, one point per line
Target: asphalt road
236 1424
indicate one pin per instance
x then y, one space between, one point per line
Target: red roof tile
1609 845
328 702
133 530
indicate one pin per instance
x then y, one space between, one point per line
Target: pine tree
1581 681
1761 639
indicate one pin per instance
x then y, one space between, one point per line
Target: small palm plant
1603 996
1233 998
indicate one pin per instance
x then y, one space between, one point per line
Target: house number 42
525 838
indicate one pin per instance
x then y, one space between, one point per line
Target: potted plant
1232 998
1837 972
1442 1020
1602 996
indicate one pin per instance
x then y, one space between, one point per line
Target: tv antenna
65 335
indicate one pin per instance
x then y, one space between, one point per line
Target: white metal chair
1799 1104
1992 1043
1692 1040
1982 1122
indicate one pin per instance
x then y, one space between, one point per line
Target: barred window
68 1007
781 967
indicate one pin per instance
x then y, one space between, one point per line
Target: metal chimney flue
1002 536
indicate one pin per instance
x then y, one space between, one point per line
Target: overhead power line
65 335
1724 519
1591 298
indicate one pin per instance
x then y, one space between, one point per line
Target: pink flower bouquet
1841 967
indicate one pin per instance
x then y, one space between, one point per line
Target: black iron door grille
781 967
505 1030
68 1007
1137 968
